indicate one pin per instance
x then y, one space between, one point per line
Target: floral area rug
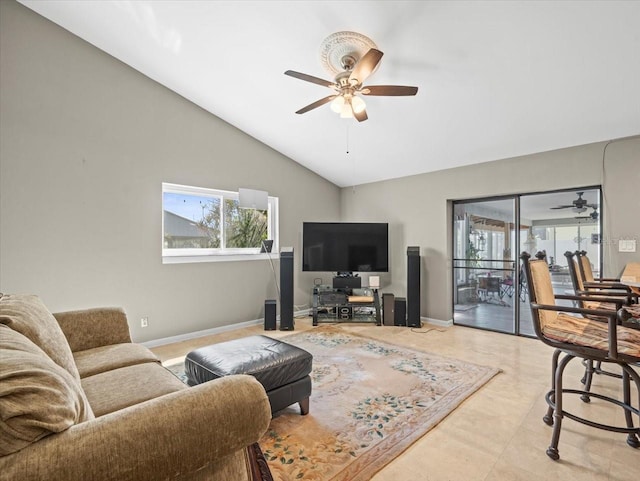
370 401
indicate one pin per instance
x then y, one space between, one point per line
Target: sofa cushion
120 388
28 315
95 327
105 358
37 396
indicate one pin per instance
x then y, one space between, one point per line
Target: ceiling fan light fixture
337 104
346 112
356 64
358 104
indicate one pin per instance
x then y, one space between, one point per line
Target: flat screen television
345 247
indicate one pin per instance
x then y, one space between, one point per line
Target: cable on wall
605 207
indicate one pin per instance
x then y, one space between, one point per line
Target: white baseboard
208 332
437 322
196 334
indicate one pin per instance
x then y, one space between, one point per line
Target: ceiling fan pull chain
347 138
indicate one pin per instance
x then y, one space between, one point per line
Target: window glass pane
191 221
590 242
496 241
199 221
210 221
243 228
566 237
484 293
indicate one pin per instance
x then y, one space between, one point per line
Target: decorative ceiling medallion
341 44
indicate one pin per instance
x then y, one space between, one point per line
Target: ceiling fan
349 88
593 216
578 205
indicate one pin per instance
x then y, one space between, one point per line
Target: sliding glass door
483 265
555 223
489 290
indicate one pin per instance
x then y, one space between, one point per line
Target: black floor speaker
270 315
286 289
413 287
400 311
388 309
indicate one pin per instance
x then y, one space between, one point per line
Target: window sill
219 258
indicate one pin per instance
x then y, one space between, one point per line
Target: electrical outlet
144 322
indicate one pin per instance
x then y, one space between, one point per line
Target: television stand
340 307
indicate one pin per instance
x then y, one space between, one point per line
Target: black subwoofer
400 311
270 315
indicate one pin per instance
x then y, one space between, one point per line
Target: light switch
627 245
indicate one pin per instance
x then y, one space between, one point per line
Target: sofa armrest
89 328
170 437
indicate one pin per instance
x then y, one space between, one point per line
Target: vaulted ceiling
496 79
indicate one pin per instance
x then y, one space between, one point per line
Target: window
209 224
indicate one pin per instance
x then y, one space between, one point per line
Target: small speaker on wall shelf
267 245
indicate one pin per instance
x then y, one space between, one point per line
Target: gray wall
85 143
418 207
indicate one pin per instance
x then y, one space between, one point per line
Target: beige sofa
80 401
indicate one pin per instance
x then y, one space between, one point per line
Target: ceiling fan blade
360 116
562 207
365 66
316 104
309 78
390 90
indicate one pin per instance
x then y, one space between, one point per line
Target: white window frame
179 255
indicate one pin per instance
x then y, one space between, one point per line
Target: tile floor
497 434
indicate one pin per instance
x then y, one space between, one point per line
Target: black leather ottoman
282 369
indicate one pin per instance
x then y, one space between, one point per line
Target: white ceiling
496 79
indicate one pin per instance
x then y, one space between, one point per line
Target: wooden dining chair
588 279
603 299
572 335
